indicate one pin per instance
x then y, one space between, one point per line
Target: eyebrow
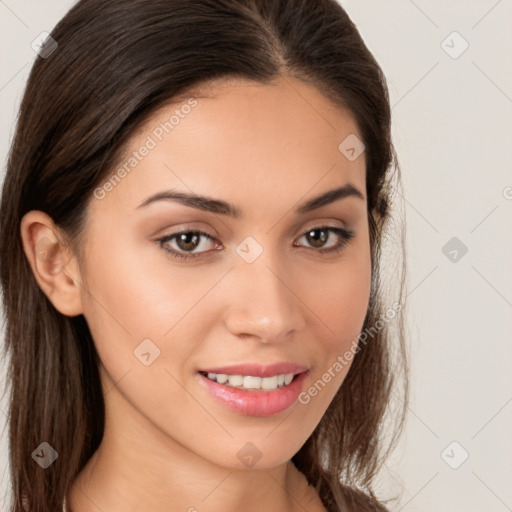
218 206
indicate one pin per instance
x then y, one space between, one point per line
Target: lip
258 370
255 403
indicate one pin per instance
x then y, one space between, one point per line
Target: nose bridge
262 303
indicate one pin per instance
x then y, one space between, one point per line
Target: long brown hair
116 63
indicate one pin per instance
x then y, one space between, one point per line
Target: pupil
189 239
322 238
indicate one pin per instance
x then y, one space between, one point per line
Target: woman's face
272 286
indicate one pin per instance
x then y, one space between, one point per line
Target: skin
169 444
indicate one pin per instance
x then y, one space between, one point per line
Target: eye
318 236
188 241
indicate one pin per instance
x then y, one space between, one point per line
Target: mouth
251 382
255 395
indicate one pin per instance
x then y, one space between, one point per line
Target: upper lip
258 370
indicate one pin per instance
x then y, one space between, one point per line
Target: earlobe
54 266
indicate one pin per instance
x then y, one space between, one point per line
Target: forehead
241 139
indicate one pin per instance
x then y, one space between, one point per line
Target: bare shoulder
358 501
353 500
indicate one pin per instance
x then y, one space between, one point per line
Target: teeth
235 380
269 382
250 382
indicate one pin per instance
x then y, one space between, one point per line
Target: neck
138 464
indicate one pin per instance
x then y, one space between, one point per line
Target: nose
262 303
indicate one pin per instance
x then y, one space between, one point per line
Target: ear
54 266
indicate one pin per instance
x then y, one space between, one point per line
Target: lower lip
256 403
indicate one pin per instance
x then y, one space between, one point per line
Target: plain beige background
452 109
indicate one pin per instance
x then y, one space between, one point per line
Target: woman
193 214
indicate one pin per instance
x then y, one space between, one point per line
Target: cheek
137 294
338 296
338 293
342 299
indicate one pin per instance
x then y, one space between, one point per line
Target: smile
251 382
253 395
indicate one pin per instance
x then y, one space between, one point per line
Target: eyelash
345 237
